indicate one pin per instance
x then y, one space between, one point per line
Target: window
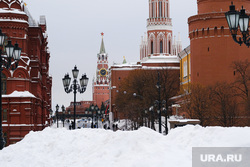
169 47
152 9
167 10
4 84
152 47
161 47
160 9
5 138
185 69
4 114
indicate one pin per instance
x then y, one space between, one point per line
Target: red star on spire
102 34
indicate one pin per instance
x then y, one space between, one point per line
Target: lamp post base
2 142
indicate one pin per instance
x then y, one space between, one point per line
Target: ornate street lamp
238 20
63 114
57 108
9 60
158 102
75 87
151 110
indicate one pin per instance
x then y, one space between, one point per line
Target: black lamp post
57 108
98 114
75 87
158 86
94 109
63 114
151 110
9 55
235 20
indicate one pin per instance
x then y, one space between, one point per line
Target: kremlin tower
213 50
101 80
158 41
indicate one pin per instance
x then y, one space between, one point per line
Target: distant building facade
27 90
185 70
158 50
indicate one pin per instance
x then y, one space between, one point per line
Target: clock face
103 72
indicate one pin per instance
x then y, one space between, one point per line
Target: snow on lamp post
10 56
75 87
238 20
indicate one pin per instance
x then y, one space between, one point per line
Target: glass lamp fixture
75 72
9 49
84 81
17 52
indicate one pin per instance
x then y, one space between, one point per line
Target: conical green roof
102 49
124 60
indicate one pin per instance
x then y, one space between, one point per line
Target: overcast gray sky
74 28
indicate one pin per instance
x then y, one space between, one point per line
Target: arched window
153 9
215 31
5 138
222 30
202 32
160 9
161 47
152 47
4 79
5 118
169 47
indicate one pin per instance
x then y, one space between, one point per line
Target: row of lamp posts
159 106
94 111
62 117
10 56
98 113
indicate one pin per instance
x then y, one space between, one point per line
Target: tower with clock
101 80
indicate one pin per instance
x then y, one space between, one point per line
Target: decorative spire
124 60
102 49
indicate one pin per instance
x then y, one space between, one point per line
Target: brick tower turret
212 47
158 41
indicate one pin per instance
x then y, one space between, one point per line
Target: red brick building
27 90
158 49
80 108
212 48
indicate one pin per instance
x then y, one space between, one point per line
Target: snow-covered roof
32 22
14 11
161 59
20 94
133 64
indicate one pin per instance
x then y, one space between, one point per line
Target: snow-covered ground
54 147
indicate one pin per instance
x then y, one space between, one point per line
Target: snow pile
97 147
20 94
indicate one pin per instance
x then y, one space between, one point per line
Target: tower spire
102 49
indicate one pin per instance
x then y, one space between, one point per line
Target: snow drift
97 147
